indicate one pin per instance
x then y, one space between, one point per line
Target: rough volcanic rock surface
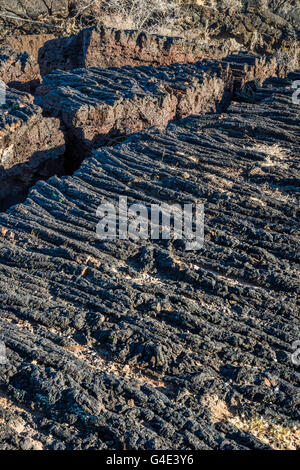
35 10
256 29
260 26
288 9
19 70
30 43
107 47
22 17
29 145
246 67
95 104
129 344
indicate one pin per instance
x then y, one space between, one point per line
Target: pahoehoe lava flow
143 344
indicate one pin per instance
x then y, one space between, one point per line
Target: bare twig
19 18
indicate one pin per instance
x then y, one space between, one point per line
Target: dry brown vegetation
277 436
155 16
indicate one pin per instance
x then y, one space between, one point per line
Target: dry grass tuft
164 17
155 16
217 408
273 154
277 436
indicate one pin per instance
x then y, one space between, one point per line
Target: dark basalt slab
31 146
117 344
257 28
19 70
34 10
97 104
107 47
